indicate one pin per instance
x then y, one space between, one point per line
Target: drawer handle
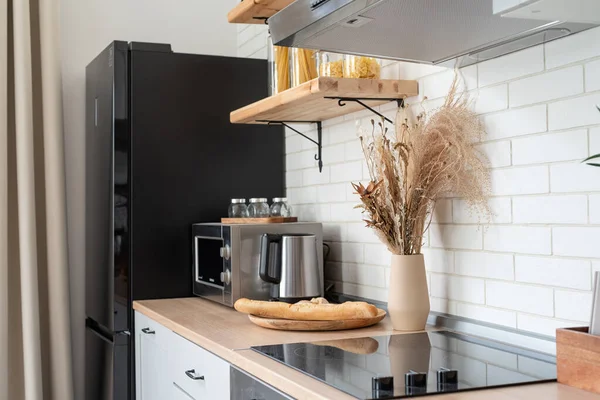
148 331
192 375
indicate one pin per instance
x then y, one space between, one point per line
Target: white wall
87 27
531 268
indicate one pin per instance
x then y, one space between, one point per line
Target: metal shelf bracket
318 142
343 100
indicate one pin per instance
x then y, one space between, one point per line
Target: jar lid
279 199
258 200
237 201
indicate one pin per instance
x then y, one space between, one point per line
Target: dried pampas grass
429 158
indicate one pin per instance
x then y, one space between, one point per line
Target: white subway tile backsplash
578 47
331 193
502 69
543 326
370 275
368 292
594 204
569 209
334 232
576 306
354 151
442 305
346 212
351 171
434 86
455 236
524 180
377 254
487 314
574 177
560 146
534 148
484 265
496 153
303 195
526 298
594 142
343 132
333 271
592 76
549 271
570 113
331 154
347 252
312 176
548 86
491 99
293 179
576 241
500 209
358 232
438 260
510 123
518 239
451 287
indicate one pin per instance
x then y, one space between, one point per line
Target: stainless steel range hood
425 31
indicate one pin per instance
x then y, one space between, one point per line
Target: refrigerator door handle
148 331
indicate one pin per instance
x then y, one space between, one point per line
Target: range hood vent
424 31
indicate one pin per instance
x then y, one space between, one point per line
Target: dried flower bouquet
428 158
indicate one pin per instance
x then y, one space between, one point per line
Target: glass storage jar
304 66
278 58
330 64
237 209
362 67
258 208
280 208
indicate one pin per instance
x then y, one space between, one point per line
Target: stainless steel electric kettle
290 263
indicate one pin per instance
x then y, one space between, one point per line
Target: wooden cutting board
295 325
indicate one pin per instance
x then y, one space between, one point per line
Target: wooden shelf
310 102
256 11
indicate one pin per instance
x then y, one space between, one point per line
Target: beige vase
408 298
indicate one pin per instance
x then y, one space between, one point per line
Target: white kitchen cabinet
151 359
169 366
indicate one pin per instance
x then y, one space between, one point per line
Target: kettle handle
265 247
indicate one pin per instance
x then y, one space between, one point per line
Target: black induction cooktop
407 365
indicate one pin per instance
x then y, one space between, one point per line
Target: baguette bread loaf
307 311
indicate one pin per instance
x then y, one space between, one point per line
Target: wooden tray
295 325
578 358
270 220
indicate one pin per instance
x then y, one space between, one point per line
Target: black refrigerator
161 154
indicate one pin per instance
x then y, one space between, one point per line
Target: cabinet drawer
197 372
151 330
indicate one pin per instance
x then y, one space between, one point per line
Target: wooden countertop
229 334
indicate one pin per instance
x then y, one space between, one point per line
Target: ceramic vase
408 298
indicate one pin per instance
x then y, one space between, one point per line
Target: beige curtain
35 341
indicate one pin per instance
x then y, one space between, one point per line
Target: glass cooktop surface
406 365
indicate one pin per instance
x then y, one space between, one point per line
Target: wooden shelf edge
255 11
307 102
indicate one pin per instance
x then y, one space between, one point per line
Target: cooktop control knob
226 277
415 382
382 383
447 379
